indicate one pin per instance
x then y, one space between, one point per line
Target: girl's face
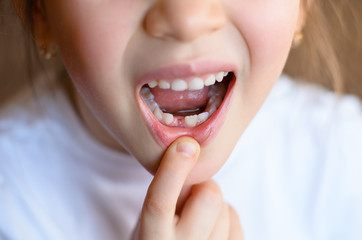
116 51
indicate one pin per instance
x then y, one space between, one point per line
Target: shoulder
312 122
311 109
314 101
312 136
323 140
20 115
303 149
28 120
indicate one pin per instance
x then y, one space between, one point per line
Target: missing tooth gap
186 112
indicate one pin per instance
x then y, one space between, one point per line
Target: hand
202 215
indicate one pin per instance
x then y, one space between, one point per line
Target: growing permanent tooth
210 80
213 103
217 90
164 85
202 117
145 91
196 84
226 73
212 109
146 94
220 76
158 113
167 118
216 100
191 121
152 84
179 85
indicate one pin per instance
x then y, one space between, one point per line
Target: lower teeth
215 99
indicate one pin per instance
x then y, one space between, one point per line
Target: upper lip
185 70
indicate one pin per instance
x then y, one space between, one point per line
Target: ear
41 29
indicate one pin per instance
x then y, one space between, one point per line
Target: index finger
160 203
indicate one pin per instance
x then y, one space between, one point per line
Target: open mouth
186 100
186 103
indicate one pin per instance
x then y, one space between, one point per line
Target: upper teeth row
195 84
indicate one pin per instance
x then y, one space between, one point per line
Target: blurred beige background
16 52
13 72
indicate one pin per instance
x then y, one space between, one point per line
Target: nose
184 20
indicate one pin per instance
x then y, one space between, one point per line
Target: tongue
173 101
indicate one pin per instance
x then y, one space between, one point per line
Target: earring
297 40
46 52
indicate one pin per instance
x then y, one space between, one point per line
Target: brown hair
330 52
25 10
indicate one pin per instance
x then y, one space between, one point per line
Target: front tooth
226 73
220 76
202 117
191 121
167 118
152 84
210 80
179 85
196 84
158 113
164 85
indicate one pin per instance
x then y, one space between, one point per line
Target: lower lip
203 133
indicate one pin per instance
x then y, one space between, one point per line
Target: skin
108 45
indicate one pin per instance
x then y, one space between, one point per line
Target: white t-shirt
296 173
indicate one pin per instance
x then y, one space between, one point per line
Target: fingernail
186 148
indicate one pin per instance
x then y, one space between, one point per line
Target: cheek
92 36
267 27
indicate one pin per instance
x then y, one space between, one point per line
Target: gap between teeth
195 84
215 99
